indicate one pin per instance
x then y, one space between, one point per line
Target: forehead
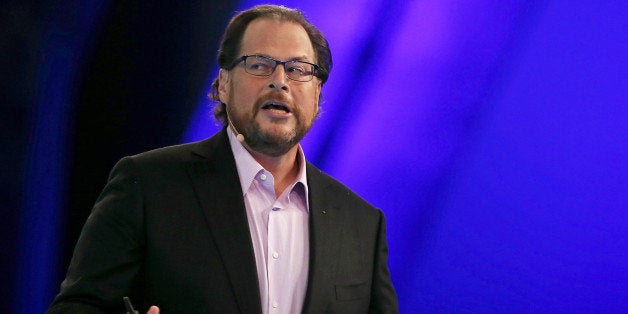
282 40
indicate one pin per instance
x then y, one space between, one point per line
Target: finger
153 310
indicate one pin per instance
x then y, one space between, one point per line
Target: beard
269 142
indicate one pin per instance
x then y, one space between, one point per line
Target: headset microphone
239 135
240 138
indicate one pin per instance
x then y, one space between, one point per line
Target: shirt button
275 255
275 305
262 177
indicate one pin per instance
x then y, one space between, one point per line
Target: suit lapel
216 183
325 238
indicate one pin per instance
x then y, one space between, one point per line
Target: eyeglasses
300 71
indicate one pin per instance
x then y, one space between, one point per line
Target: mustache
276 96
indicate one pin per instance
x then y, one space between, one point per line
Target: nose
278 79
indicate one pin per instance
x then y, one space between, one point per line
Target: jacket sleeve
107 257
383 296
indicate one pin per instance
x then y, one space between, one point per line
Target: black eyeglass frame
277 63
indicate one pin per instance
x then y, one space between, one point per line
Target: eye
258 65
297 68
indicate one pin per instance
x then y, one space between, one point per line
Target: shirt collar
248 167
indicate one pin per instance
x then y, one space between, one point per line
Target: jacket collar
216 184
326 221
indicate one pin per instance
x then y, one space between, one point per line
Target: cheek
239 97
310 110
309 100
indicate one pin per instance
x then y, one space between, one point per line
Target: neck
285 168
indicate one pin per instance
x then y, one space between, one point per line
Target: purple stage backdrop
491 133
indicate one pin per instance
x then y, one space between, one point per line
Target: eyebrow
301 58
298 58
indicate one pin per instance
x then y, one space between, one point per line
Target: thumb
153 310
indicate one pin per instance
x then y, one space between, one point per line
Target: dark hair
232 39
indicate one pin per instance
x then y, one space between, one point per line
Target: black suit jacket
170 229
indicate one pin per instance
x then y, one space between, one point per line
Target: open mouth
276 106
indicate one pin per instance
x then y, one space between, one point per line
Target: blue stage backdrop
491 133
65 29
493 136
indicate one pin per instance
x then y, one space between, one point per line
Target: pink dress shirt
279 230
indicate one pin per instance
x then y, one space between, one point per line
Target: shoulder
179 152
165 161
182 153
324 186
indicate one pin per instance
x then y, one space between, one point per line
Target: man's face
273 113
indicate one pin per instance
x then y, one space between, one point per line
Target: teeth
277 107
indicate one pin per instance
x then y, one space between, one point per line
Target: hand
153 310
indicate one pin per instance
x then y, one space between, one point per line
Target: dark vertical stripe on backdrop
66 31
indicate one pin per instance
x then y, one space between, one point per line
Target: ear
317 95
223 85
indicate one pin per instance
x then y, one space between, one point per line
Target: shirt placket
279 256
264 184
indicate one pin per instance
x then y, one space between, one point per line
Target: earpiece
239 135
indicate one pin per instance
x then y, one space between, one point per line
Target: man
240 222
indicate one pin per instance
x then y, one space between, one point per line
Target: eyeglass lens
263 66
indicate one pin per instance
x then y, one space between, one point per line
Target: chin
284 136
279 131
